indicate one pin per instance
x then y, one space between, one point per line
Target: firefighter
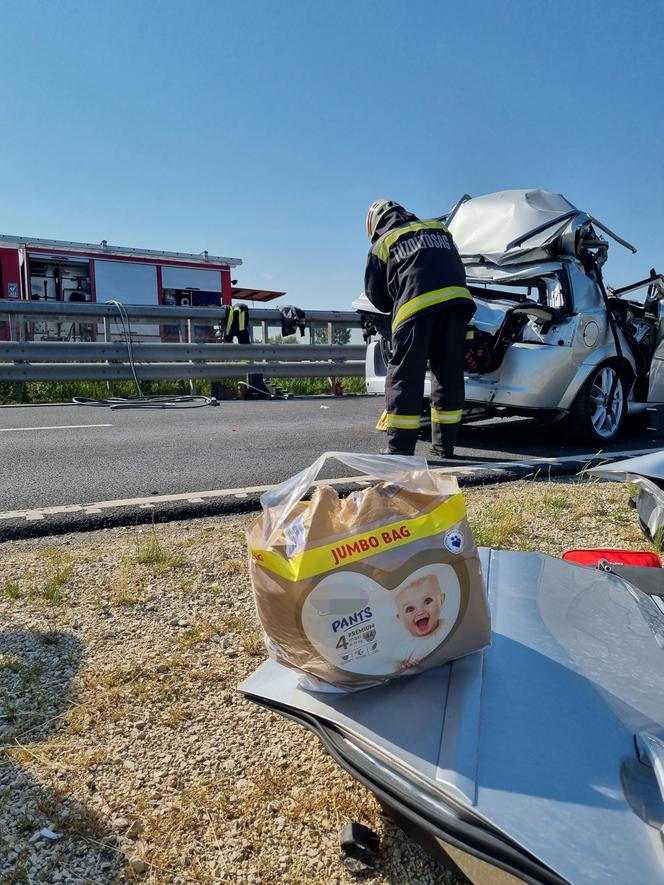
414 272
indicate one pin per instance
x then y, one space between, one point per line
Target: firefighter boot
400 442
443 438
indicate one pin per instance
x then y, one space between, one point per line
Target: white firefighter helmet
376 210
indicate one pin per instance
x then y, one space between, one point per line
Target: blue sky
263 130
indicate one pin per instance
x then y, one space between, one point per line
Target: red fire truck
53 270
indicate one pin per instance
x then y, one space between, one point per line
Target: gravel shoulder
126 752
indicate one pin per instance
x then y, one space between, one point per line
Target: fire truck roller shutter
191 278
131 282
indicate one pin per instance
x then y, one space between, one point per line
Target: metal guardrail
25 359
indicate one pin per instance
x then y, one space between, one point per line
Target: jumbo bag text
386 582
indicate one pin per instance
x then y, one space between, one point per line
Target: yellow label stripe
389 241
357 547
428 299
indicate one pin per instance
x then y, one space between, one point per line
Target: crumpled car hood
485 227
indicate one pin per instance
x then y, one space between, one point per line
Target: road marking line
532 464
54 427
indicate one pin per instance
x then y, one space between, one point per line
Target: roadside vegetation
121 728
39 392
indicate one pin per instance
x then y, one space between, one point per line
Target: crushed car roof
486 227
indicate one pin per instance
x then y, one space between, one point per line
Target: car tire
588 417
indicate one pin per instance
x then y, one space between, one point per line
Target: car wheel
590 417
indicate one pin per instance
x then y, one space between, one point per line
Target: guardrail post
265 338
18 335
330 341
193 389
108 338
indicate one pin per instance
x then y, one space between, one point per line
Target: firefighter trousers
439 339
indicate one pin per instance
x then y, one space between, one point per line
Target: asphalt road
68 454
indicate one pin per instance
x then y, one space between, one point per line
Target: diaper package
383 583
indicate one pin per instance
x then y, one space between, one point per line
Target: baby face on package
419 606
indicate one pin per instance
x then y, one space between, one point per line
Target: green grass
150 552
12 590
52 590
65 391
502 525
202 631
555 500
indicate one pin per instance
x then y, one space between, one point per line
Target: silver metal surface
72 310
648 466
60 246
532 742
606 418
483 227
88 351
158 370
650 748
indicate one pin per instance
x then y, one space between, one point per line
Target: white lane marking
54 427
199 497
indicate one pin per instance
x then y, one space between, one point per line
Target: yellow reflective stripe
428 299
440 417
405 422
470 335
350 550
229 319
384 249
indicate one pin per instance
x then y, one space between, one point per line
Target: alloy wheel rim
604 420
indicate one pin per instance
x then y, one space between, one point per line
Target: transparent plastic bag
402 470
385 582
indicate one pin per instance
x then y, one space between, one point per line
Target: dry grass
149 551
554 516
200 633
60 571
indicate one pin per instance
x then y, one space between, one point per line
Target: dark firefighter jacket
413 267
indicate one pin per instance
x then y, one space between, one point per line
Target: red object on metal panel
10 274
226 287
618 557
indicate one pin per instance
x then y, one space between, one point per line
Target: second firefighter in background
414 272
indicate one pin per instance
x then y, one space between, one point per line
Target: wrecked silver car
549 339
